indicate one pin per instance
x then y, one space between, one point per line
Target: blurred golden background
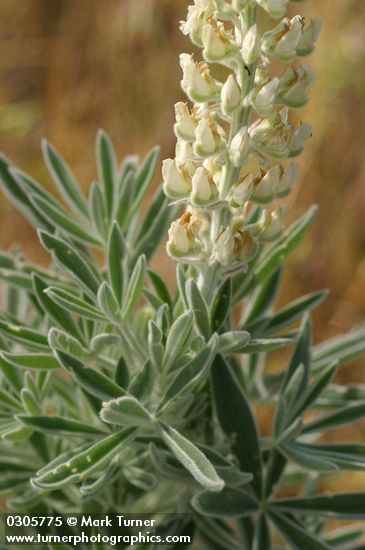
68 67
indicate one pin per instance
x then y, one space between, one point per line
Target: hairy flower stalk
235 141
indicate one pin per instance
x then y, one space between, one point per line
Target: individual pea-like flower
197 81
242 192
272 224
218 43
282 41
186 122
309 37
209 137
288 176
271 136
295 85
204 189
275 8
177 181
181 241
234 246
300 136
263 97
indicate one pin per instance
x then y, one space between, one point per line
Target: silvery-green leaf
125 411
107 168
64 179
97 209
108 303
193 459
143 382
104 340
230 503
58 339
345 415
73 262
76 465
29 401
122 376
301 356
242 435
176 338
117 253
306 459
93 382
143 180
198 307
71 302
23 335
262 298
341 348
31 360
221 304
56 313
262 534
233 342
160 287
135 285
190 375
154 344
264 345
59 426
342 506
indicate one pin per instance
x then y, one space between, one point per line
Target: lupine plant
118 394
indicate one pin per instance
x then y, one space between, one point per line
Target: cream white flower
204 189
185 122
272 224
181 241
300 136
177 182
271 136
224 247
197 82
263 98
288 177
295 85
209 137
242 192
196 19
283 40
217 43
230 95
265 185
309 37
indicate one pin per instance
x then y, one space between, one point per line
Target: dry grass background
68 67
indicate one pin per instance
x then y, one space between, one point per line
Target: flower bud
197 82
181 241
287 179
204 189
245 246
230 95
216 41
240 147
265 185
209 137
184 153
251 45
262 99
282 41
177 182
295 86
185 122
271 136
272 224
309 37
300 136
275 8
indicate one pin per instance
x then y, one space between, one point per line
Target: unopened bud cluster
235 139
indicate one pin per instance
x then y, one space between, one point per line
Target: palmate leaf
296 536
74 466
343 416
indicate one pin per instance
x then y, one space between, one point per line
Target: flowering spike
233 144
